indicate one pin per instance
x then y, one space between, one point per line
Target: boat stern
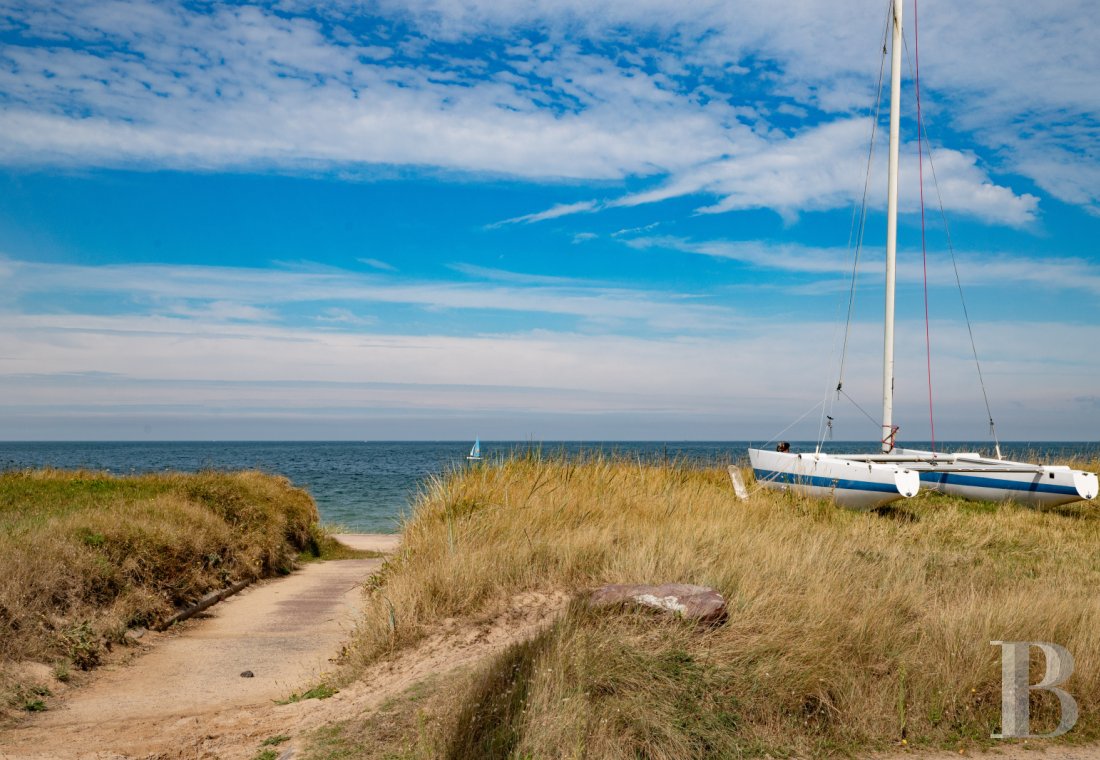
1086 483
908 482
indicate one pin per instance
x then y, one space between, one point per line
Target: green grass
324 547
28 698
271 741
320 691
333 743
87 555
848 632
402 728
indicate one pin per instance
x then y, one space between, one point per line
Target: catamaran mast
891 234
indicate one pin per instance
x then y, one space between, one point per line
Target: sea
371 486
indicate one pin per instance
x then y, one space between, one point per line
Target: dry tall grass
847 631
85 555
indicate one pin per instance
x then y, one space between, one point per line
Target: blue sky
521 219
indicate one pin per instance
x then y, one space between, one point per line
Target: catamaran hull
1031 491
979 478
851 484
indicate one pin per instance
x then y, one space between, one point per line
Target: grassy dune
847 631
86 555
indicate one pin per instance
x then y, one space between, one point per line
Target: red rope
923 244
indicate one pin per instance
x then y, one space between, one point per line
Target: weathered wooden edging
207 601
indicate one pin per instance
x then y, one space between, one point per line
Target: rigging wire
805 414
873 421
761 483
856 233
923 129
923 236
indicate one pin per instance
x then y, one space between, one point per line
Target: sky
526 219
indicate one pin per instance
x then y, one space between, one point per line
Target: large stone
698 603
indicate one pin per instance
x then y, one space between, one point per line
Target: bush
85 555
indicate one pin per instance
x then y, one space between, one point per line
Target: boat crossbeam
949 463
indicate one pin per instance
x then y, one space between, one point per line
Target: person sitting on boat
783 447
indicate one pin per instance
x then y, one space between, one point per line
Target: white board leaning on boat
869 481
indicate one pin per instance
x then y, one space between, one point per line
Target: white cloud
561 209
784 257
378 264
1066 174
244 86
339 316
1016 75
227 311
197 343
239 293
823 168
990 270
780 368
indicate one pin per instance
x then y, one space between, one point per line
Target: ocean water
370 486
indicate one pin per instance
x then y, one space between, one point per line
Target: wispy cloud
134 83
761 254
561 209
227 311
377 264
492 274
339 316
652 116
285 92
237 293
147 364
818 169
989 67
982 270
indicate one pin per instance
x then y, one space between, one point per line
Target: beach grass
847 632
85 556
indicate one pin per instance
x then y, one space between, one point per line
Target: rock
698 603
248 674
134 634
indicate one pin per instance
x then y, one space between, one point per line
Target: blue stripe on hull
791 478
1036 486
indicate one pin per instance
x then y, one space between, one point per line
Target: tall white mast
891 233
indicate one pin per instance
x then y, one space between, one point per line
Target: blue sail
475 451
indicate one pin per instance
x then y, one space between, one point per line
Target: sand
285 631
183 696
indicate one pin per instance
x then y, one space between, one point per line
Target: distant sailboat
868 481
475 451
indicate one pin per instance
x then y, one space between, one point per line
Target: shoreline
370 542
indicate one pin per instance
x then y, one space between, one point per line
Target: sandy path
227 731
184 698
285 631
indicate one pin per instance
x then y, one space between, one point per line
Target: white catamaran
475 451
868 481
